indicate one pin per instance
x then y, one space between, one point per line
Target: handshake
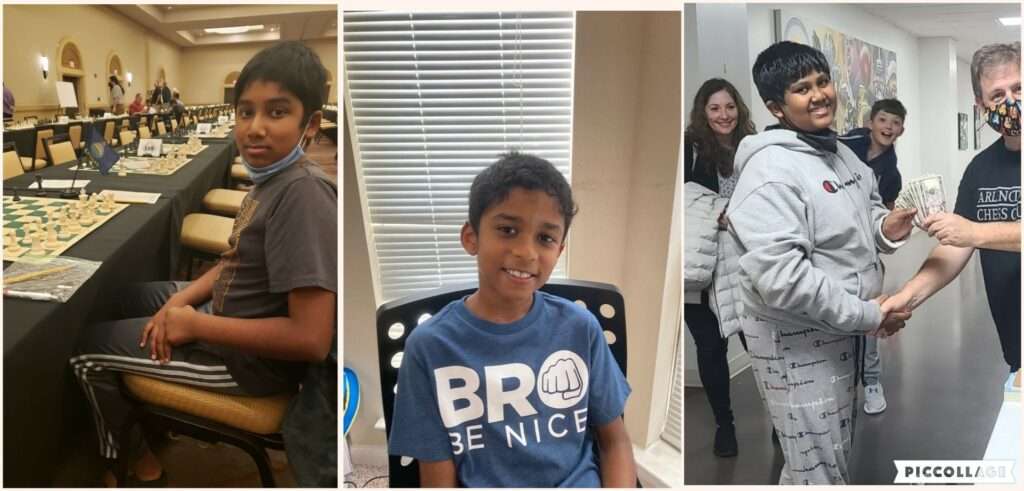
895 313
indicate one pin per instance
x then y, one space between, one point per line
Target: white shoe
874 399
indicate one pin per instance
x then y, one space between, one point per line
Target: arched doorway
114 66
71 69
229 87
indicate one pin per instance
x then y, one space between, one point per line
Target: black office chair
397 319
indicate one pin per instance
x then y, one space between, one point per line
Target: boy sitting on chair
251 324
509 386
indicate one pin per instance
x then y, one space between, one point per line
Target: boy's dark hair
519 170
293 65
990 56
782 64
891 106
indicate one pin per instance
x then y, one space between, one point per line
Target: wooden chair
108 133
12 164
60 153
252 424
227 202
174 125
144 132
161 128
75 136
204 237
39 158
127 137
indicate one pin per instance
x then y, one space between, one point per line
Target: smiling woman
719 119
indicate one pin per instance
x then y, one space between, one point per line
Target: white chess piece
36 245
51 236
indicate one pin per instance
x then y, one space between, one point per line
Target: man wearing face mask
987 214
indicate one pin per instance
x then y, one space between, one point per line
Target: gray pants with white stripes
808 380
107 349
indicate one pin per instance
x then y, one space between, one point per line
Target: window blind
435 98
673 433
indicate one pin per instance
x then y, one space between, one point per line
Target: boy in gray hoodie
809 224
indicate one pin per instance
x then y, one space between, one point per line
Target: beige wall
207 66
33 30
626 128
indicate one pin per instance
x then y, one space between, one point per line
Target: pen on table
30 295
18 278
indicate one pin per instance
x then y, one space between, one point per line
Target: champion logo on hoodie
833 187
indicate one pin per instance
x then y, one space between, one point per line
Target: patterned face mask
1005 117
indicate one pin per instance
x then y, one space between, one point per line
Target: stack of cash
925 193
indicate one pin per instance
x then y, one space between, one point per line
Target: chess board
171 147
140 165
17 213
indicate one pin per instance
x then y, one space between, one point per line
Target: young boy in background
875 146
808 224
509 386
252 323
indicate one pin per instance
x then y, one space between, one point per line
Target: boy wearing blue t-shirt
510 386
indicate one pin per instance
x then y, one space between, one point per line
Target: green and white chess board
18 214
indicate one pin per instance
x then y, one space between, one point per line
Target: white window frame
377 270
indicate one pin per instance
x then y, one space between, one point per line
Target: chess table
45 415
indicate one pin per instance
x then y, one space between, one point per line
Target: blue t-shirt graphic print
514 405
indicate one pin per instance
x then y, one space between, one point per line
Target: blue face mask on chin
260 175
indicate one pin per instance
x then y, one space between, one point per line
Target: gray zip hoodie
807 225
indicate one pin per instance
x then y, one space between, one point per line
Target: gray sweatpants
807 380
105 350
872 361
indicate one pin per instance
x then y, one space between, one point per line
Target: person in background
116 95
8 103
719 119
137 106
987 212
875 145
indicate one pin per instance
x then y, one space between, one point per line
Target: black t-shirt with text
990 192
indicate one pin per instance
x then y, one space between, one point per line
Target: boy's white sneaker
874 399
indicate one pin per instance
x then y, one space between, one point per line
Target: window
433 99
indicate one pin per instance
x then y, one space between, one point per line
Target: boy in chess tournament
266 310
510 386
875 145
808 224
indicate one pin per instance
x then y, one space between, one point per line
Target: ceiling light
1010 21
232 30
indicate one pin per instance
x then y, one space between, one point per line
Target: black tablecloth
44 410
186 187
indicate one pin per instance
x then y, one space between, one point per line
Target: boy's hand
892 323
155 332
179 325
898 224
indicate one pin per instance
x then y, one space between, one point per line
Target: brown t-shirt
285 237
